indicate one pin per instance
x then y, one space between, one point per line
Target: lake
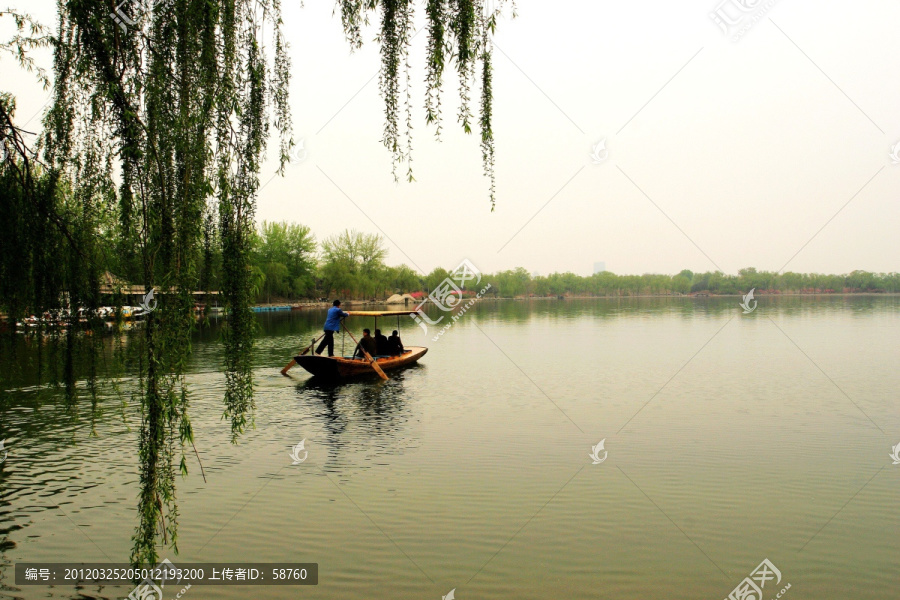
729 438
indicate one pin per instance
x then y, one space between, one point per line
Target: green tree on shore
286 254
352 263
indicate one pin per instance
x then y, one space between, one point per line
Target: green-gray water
731 438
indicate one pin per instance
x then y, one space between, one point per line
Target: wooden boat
346 367
342 367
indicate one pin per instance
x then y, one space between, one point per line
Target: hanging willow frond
459 31
187 93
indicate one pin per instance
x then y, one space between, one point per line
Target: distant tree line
518 282
288 264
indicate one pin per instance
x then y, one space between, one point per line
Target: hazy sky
721 153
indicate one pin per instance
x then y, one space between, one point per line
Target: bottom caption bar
167 573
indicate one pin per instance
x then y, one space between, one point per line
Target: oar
367 355
293 362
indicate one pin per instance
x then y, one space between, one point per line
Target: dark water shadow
367 417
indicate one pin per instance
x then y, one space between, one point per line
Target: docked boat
345 367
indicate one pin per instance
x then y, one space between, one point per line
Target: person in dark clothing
332 326
367 343
381 343
395 346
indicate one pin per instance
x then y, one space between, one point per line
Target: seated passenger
367 343
381 343
395 346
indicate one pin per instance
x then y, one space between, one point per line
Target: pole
293 362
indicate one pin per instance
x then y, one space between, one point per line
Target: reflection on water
731 438
360 416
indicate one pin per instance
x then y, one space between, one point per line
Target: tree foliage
285 252
352 261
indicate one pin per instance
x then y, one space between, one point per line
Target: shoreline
697 296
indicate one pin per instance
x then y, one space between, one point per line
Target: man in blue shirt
332 325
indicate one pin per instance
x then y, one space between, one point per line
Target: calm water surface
731 438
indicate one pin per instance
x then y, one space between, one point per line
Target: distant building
535 274
599 267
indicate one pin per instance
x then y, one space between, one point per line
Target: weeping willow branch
459 32
187 92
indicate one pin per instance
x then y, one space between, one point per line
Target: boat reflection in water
364 420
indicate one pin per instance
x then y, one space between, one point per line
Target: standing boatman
332 326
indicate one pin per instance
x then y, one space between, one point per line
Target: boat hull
347 368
